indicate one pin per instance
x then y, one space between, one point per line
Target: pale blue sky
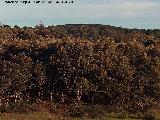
125 13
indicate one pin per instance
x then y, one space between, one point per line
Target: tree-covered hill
98 64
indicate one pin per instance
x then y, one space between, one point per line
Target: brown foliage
67 61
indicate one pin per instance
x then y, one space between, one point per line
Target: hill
114 67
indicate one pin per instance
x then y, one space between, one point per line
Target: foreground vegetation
88 70
152 115
46 116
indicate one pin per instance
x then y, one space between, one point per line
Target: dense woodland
93 64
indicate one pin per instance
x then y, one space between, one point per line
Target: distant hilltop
86 31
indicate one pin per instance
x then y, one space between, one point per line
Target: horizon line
33 26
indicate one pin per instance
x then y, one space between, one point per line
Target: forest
80 67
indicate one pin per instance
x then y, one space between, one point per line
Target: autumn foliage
97 64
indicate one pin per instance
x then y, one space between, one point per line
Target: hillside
113 67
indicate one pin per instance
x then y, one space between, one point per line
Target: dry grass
153 114
31 116
47 116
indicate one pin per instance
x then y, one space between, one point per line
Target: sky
121 13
